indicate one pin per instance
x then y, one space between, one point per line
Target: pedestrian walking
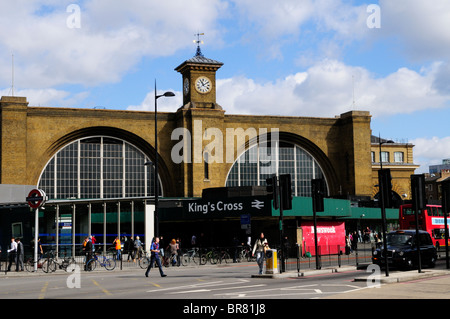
20 255
154 249
12 252
172 248
261 244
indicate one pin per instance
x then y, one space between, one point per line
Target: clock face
203 84
186 86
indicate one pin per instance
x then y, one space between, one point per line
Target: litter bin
271 261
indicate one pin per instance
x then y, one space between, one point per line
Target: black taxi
402 250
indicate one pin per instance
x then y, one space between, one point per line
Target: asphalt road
228 282
221 291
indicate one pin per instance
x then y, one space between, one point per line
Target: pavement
379 275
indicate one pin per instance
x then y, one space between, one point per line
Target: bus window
440 211
434 211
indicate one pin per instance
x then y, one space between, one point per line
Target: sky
317 58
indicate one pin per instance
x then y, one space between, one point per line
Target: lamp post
383 201
166 94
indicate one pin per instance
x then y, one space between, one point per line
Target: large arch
165 177
305 144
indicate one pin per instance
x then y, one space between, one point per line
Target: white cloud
423 27
111 39
430 151
47 97
326 89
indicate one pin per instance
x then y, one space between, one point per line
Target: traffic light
385 187
419 200
318 194
272 189
286 191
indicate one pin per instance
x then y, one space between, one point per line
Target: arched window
98 167
261 161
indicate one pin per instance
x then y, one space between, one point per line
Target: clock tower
199 82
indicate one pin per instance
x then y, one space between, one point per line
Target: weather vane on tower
198 41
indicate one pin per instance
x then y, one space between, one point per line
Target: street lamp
155 164
382 200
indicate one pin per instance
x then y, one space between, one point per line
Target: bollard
271 261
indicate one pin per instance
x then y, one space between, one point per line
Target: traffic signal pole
445 209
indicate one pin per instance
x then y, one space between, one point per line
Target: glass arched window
98 167
261 161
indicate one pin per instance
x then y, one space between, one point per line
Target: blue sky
286 57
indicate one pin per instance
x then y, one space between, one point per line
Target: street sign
36 198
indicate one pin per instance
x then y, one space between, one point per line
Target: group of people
15 254
365 236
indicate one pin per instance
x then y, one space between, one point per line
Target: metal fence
215 256
328 256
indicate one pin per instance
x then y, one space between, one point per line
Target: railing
329 256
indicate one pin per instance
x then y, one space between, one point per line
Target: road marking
200 285
207 290
155 284
103 289
43 291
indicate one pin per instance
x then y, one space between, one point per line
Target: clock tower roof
199 60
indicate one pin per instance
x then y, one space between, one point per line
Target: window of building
373 156
98 167
398 157
385 157
261 161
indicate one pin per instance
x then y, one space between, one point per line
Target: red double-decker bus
430 219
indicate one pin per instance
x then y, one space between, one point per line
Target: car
402 250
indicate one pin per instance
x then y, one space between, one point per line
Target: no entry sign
36 198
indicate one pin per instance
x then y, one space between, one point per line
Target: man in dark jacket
87 250
20 255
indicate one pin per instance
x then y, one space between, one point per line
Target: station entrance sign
36 198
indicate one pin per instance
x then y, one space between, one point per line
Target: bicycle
108 263
44 263
29 264
190 255
64 262
144 260
210 256
224 255
246 254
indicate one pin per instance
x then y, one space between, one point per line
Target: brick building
90 163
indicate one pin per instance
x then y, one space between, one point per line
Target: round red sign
36 198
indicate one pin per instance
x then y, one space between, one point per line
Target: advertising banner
330 237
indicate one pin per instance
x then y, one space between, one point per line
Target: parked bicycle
224 256
191 255
63 263
211 256
29 264
246 254
45 263
144 260
108 263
